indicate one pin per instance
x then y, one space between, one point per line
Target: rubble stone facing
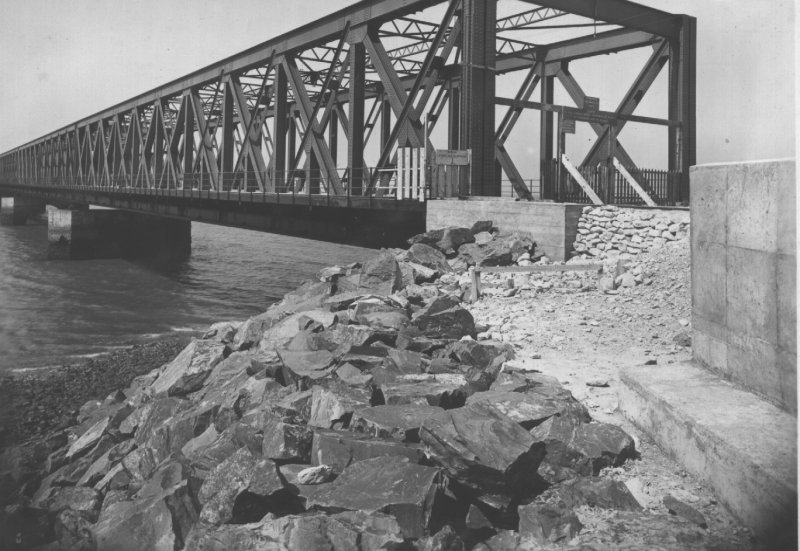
610 232
358 413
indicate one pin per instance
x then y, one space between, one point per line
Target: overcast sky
61 61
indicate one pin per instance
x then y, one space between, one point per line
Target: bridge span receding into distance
339 129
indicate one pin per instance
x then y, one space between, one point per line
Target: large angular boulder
532 408
189 370
302 369
349 530
483 449
548 524
396 422
449 390
389 485
243 488
380 275
78 498
444 318
602 493
286 441
478 354
339 449
310 295
427 238
493 253
585 448
427 256
157 518
453 238
333 406
379 314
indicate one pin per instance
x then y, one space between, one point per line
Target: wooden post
475 278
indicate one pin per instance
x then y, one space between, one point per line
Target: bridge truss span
323 109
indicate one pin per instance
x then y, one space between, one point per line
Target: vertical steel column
188 141
386 121
158 144
546 140
227 151
280 127
682 66
477 124
454 108
292 145
355 145
333 136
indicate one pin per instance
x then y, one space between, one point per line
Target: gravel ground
32 403
565 327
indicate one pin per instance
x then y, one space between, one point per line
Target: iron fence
610 185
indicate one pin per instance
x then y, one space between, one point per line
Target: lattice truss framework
271 118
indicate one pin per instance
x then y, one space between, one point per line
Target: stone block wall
744 275
610 232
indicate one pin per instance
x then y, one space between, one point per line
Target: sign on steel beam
577 94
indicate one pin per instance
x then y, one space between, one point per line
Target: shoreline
39 400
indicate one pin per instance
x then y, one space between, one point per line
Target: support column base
88 234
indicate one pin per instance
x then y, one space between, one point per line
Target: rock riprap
357 413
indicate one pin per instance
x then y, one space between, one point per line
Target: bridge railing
372 183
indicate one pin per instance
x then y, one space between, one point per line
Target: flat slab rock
340 449
484 449
446 390
391 485
332 407
189 370
397 422
532 408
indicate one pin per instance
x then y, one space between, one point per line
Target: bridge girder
250 121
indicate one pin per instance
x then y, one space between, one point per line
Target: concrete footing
553 225
15 211
745 447
86 234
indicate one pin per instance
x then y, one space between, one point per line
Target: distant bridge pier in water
81 233
15 210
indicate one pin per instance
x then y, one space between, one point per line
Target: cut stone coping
745 447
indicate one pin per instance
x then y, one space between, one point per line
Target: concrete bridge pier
82 234
15 211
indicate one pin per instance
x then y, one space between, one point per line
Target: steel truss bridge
316 115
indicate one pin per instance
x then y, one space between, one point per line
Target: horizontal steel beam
586 46
581 115
620 12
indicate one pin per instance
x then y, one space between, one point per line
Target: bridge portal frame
255 120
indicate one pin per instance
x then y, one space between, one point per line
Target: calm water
54 311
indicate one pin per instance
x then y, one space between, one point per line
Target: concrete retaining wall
744 275
553 225
613 232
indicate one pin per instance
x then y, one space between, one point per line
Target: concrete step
743 446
